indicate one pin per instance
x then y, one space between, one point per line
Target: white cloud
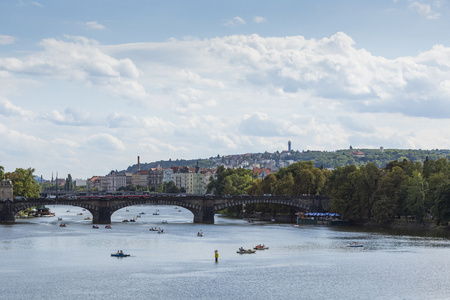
106 142
7 39
82 60
235 21
70 116
9 109
424 9
95 25
258 19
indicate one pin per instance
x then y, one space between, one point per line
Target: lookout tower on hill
6 189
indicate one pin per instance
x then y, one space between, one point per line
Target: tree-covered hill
341 158
324 159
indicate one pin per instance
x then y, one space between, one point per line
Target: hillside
325 159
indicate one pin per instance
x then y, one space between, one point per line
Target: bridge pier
101 216
7 215
205 216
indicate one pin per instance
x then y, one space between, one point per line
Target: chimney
139 165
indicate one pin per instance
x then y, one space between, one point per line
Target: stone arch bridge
202 207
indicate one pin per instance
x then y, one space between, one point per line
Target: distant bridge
203 207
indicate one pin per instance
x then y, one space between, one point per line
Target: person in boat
241 249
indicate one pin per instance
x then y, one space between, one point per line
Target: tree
417 189
23 183
390 191
441 208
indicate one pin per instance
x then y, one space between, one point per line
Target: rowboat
245 251
120 255
355 245
260 247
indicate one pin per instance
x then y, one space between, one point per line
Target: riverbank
402 226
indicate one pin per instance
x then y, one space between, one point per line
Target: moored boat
95 226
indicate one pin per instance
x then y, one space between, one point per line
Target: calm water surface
40 260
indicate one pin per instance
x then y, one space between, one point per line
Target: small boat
245 251
155 214
161 231
125 220
142 213
108 226
120 254
132 220
87 218
164 222
179 210
79 214
355 245
95 226
62 225
59 219
153 229
200 233
261 247
84 209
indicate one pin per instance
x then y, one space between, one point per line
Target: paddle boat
62 225
95 226
108 226
245 251
261 247
120 254
155 214
153 229
355 245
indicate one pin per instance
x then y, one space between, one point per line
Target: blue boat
120 255
355 245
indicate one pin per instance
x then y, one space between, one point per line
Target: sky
87 86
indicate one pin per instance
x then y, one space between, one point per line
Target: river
41 260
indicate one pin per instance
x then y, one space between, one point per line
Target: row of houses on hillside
193 180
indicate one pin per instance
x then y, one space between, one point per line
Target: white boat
200 233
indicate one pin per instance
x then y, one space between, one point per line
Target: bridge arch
202 207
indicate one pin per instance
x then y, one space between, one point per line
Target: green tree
23 183
390 193
441 208
417 189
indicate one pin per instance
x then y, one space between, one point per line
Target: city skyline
94 85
